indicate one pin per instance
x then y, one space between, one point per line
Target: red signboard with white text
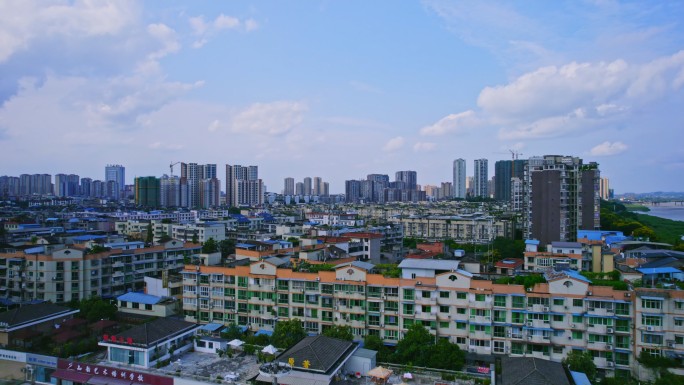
124 374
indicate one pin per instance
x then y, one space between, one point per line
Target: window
500 300
460 310
679 321
577 302
461 295
651 320
558 318
651 304
148 307
425 294
652 339
444 309
518 302
443 294
443 325
558 301
408 294
408 308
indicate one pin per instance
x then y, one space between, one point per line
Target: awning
653 298
69 375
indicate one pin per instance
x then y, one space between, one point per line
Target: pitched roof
30 313
152 332
323 353
532 371
566 244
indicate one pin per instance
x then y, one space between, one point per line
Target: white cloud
394 144
24 21
274 118
423 146
452 123
214 125
203 29
608 148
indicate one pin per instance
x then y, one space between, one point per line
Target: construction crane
171 167
515 154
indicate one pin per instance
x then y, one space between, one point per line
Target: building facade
545 321
481 178
459 178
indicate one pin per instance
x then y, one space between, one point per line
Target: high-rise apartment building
289 188
170 191
409 179
299 189
481 178
317 186
210 193
561 197
459 178
605 188
504 170
308 189
117 173
191 175
243 186
147 191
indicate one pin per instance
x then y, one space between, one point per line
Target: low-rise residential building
146 344
544 321
464 229
63 273
19 324
145 304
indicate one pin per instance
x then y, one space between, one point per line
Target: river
668 211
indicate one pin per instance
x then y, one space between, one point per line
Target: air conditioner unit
628 295
473 350
384 297
382 325
610 331
649 328
318 278
546 308
566 308
572 326
589 293
529 289
569 337
611 364
529 336
529 323
670 344
419 283
609 347
336 308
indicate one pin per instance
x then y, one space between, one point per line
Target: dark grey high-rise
562 196
504 170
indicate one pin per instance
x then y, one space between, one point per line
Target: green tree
165 238
96 308
210 246
644 232
227 247
195 238
294 241
415 347
373 342
339 331
232 332
668 378
581 361
445 355
234 210
287 333
509 248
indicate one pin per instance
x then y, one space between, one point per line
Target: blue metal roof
578 276
212 327
659 270
34 250
580 378
145 299
245 245
89 237
531 242
264 332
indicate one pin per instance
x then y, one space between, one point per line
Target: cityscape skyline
340 93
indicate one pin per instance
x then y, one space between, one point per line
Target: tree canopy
210 246
96 308
581 361
339 331
287 333
415 347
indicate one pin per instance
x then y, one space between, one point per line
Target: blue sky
342 89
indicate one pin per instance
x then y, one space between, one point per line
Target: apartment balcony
538 338
538 324
350 295
426 316
480 319
601 312
599 329
426 301
596 345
